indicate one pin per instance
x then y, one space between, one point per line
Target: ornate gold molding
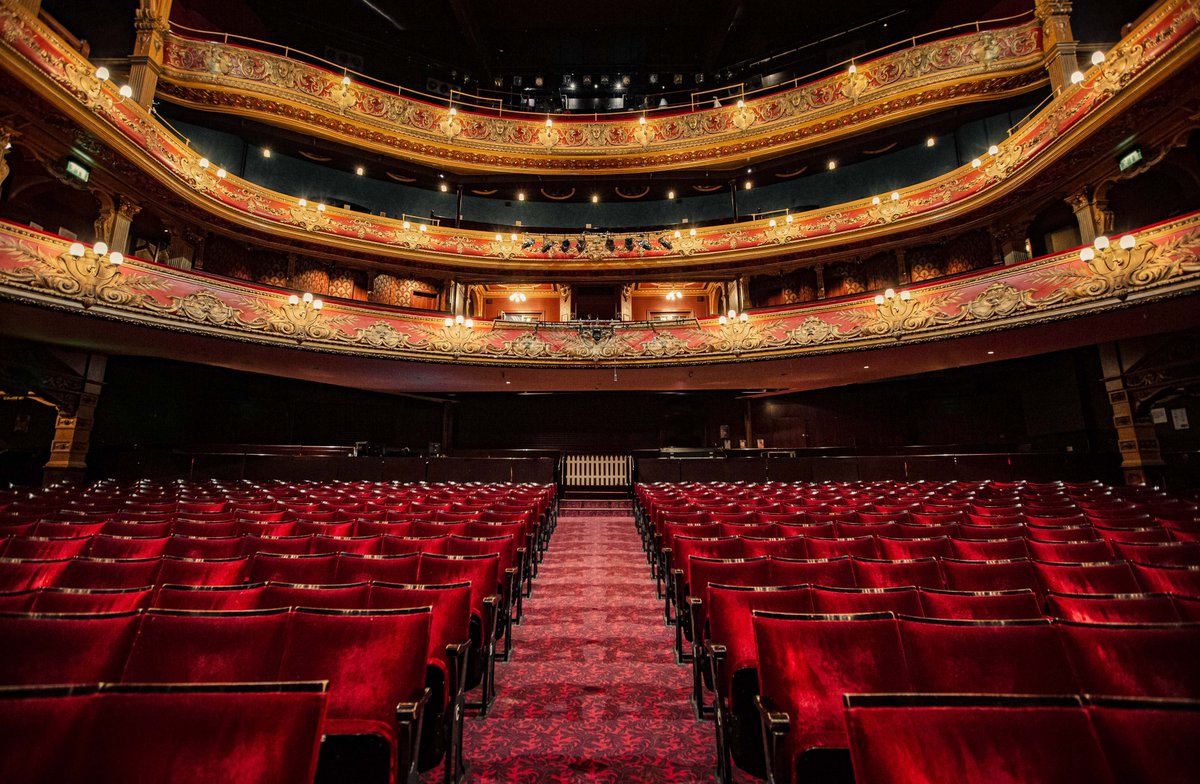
1166 37
246 81
1158 262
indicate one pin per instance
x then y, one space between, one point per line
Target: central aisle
592 692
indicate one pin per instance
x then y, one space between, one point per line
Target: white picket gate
598 470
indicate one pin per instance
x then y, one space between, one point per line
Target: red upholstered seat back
992 657
1110 577
1143 660
332 597
1005 575
807 662
1148 742
203 547
1177 580
82 600
829 571
845 601
1113 608
177 646
1159 553
52 648
22 575
1091 551
908 549
194 571
301 569
364 545
481 571
108 573
396 545
373 660
862 546
921 572
972 740
106 546
730 623
791 547
354 568
45 548
980 605
451 618
37 725
209 597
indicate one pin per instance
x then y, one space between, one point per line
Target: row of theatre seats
237 594
822 615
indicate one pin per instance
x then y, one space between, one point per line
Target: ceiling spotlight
831 165
629 243
1077 77
1097 57
666 243
547 245
266 152
517 296
527 244
931 141
566 245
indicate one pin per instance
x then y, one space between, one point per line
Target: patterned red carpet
592 693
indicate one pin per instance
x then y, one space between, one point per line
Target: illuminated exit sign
1131 158
78 171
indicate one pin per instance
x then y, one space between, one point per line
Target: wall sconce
890 294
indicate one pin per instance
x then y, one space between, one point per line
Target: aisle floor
592 693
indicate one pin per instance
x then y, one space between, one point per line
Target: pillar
736 295
73 429
902 276
1092 213
564 302
150 24
627 302
1058 41
1010 240
118 239
820 270
6 137
1136 440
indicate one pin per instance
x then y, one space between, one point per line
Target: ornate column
1093 215
73 429
1058 41
151 24
6 138
1137 440
735 295
627 302
1010 239
118 238
820 270
564 302
902 276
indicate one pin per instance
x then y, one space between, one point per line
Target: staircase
595 502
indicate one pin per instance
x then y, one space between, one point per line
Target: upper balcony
706 129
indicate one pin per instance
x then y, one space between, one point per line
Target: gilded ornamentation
83 79
87 278
666 344
302 321
455 339
380 335
1119 67
204 307
812 331
309 217
998 300
898 315
528 346
1115 270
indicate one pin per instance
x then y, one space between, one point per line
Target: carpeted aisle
592 692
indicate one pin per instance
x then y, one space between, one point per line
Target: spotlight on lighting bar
527 244
666 243
581 244
546 245
644 243
566 245
629 243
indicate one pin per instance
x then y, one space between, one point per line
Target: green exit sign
78 171
1131 158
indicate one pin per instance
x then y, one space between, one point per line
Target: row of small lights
307 299
116 258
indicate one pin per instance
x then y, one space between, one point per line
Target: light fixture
449 322
595 198
771 223
1128 242
520 195
1097 57
678 234
642 120
422 228
673 295
221 172
100 248
890 294
266 151
629 243
459 319
875 200
748 185
320 207
345 81
443 187
975 164
741 104
1077 77
517 296
1101 242
581 244
102 74
126 91
716 103
644 243
866 367
512 237
547 245
116 258
565 245
853 68
308 297
293 300
1087 254
359 170
499 238
670 194
302 202
317 304
787 218
77 249
203 163
469 323
666 243
931 141
453 112
895 196
549 122
691 232
993 150
406 225
990 353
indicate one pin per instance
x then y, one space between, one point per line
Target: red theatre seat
836 601
972 739
806 663
830 571
209 597
1148 741
328 597
1113 608
1107 577
109 573
921 572
1143 660
980 605
83 600
44 649
301 569
354 568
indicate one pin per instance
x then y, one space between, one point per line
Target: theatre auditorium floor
592 692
